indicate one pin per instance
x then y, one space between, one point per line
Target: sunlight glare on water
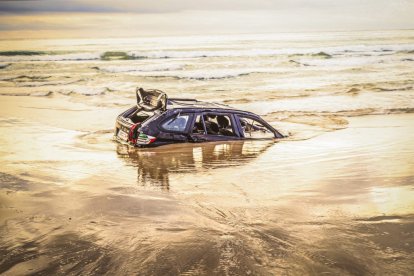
334 197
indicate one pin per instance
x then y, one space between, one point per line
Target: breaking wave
28 94
275 92
345 113
26 78
343 61
315 52
119 55
84 91
23 53
325 53
202 74
383 89
5 65
382 86
322 55
49 57
140 68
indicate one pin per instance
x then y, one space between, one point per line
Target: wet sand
72 201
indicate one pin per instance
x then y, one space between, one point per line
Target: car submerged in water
157 120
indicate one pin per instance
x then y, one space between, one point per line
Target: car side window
198 127
218 124
253 129
176 123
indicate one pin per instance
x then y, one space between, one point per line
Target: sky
124 18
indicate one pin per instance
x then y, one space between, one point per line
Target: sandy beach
335 197
74 201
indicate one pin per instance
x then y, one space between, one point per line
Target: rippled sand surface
335 197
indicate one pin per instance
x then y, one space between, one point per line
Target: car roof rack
183 100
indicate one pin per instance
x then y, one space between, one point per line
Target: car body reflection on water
156 165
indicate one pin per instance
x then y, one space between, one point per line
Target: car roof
193 105
196 104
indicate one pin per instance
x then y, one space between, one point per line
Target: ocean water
334 197
272 74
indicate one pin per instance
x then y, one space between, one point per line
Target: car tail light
133 133
145 139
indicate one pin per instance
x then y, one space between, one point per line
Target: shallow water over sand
341 202
336 197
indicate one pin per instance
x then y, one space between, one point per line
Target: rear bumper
122 125
121 134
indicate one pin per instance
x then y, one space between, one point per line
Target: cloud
41 6
102 18
165 6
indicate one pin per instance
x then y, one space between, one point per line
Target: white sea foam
332 50
218 52
4 65
236 71
51 57
41 94
83 90
346 61
121 86
25 94
203 74
333 103
141 68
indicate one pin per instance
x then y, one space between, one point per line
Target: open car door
151 100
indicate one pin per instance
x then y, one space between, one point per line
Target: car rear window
176 123
140 116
